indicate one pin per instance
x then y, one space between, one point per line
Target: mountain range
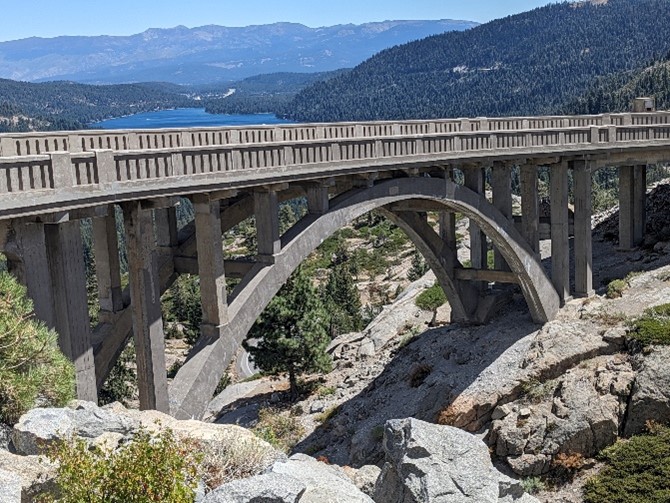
208 54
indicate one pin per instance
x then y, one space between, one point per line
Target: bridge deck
46 172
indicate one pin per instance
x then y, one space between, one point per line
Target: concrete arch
195 382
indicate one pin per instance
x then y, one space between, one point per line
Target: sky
51 18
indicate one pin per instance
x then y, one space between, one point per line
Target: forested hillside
262 93
616 92
531 63
67 105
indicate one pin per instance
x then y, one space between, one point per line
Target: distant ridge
208 54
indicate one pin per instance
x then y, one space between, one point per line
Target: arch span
195 382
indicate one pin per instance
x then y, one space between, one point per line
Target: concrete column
582 231
560 241
210 264
166 227
68 279
317 199
501 183
474 180
266 210
639 203
530 212
33 270
626 207
107 266
447 226
146 307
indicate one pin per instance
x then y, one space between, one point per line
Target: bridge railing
28 144
27 180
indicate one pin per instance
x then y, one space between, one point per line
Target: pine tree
341 296
419 267
291 335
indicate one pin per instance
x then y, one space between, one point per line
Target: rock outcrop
265 488
429 463
650 398
577 414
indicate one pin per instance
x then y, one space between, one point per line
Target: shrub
325 416
32 369
566 465
636 470
533 485
149 468
653 327
615 288
221 463
279 430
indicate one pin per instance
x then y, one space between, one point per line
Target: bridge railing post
61 168
595 134
106 165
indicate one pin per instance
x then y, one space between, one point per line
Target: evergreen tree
341 296
419 267
292 332
431 300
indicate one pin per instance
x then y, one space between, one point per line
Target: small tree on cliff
431 300
292 333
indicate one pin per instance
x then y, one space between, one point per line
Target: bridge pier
107 265
632 212
560 239
146 308
474 180
501 185
210 264
582 230
530 211
30 265
68 280
266 211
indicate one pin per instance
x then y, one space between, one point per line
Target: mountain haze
208 53
530 63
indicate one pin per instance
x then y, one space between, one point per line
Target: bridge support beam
474 180
210 265
582 230
146 307
107 265
501 184
166 227
68 279
632 199
530 212
560 240
31 268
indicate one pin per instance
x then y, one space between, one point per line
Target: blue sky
50 18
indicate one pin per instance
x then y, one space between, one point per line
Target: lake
186 117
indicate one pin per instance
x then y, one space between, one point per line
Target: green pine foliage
32 368
418 268
431 299
531 63
292 332
341 297
182 306
636 470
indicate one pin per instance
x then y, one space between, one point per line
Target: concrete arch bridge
50 181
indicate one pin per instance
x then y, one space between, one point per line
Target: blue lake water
186 117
